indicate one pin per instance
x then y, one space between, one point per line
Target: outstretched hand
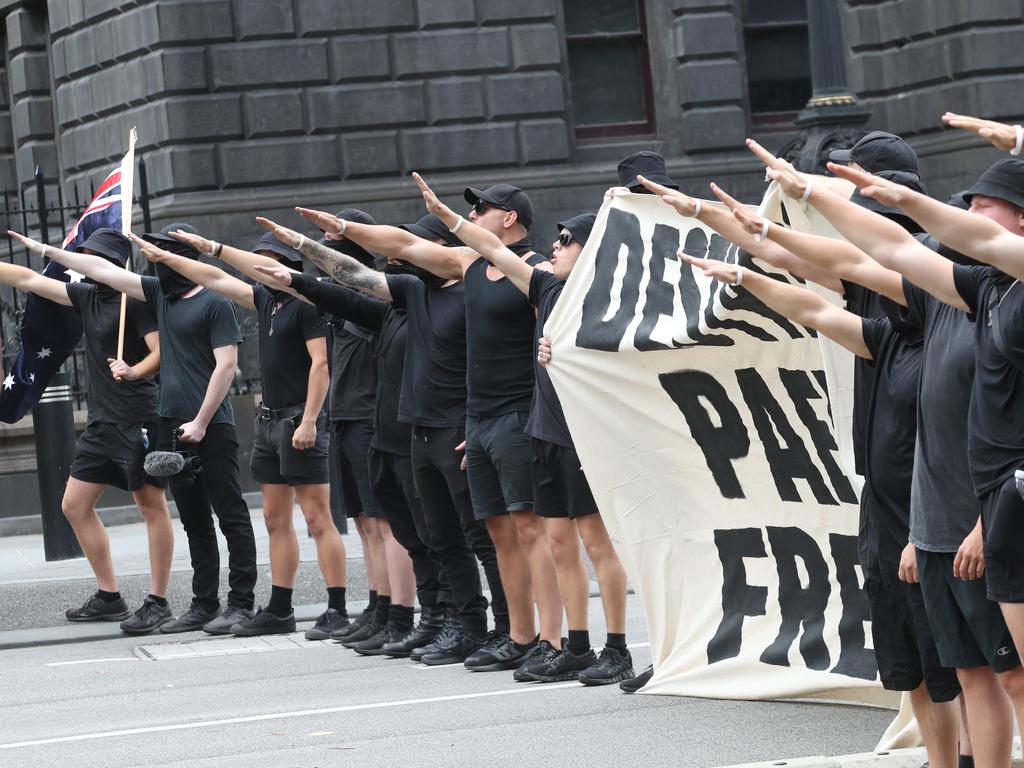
152 252
748 219
430 199
282 275
328 223
684 204
793 183
1001 136
287 236
32 245
198 242
884 191
719 270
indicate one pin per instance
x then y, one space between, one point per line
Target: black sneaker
224 624
371 646
264 623
450 630
562 665
634 684
97 609
365 632
150 616
464 644
499 653
613 666
328 622
354 625
430 624
543 649
192 620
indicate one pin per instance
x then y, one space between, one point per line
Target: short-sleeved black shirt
500 343
353 368
285 325
864 303
995 442
110 402
547 420
190 329
389 328
891 439
434 379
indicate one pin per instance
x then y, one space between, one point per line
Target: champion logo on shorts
1003 651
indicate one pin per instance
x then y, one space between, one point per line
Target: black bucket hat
110 244
579 226
506 197
288 255
431 227
1003 180
879 151
648 164
164 240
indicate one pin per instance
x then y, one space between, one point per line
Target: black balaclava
111 245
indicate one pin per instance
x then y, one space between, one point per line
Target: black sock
336 599
161 601
616 641
383 606
108 597
400 617
280 601
966 761
579 641
373 600
525 646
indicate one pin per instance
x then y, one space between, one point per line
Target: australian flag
50 332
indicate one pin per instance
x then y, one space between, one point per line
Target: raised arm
972 234
341 267
25 279
798 304
93 267
1001 136
395 243
839 259
481 241
339 300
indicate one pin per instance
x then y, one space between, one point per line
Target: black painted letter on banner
739 599
854 659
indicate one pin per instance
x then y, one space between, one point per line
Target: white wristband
807 191
42 253
1020 140
696 211
457 225
214 246
302 241
764 232
739 276
344 226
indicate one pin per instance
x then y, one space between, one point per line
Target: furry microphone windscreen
163 464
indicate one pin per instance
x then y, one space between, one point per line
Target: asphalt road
215 703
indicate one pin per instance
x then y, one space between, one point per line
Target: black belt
268 414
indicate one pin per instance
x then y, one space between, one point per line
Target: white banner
702 420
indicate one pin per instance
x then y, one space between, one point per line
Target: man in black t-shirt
289 457
121 425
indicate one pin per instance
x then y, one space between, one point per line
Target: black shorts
902 636
560 489
971 631
351 446
1003 521
498 464
114 454
275 461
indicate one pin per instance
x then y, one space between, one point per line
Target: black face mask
173 284
521 247
405 268
103 291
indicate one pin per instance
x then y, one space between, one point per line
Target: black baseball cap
1003 180
164 240
909 180
645 163
579 226
348 247
110 244
879 151
506 197
431 227
289 256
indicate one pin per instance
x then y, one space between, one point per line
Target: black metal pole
54 425
147 222
44 230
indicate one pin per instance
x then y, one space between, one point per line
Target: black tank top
500 344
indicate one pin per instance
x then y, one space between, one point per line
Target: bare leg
572 574
611 576
284 545
965 736
532 531
79 506
152 504
515 578
377 560
989 717
362 528
314 501
1013 684
938 723
399 567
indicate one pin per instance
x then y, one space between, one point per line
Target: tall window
778 59
609 68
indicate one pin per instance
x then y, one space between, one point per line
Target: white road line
287 715
91 661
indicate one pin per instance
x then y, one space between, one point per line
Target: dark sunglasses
480 206
565 239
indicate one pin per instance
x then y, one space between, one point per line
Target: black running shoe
372 646
264 623
634 684
150 616
328 622
540 650
464 644
365 632
353 626
97 609
192 620
613 666
225 623
450 630
499 653
430 624
559 666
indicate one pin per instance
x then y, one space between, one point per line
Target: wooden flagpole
127 192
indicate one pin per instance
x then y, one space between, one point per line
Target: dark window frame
633 128
778 120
